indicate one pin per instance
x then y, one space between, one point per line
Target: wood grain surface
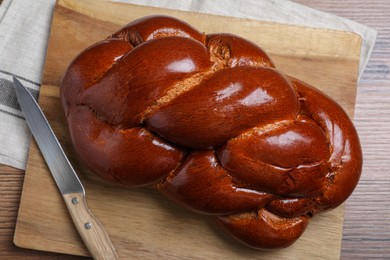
367 227
140 222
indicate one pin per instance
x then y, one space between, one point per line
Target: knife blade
90 229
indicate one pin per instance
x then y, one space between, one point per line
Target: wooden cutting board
142 223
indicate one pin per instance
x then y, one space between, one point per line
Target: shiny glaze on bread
209 121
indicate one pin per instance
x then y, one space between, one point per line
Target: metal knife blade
63 173
90 229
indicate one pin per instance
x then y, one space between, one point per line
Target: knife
90 229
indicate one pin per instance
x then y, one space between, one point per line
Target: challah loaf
210 123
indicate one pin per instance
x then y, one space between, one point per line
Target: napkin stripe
11 114
8 99
20 77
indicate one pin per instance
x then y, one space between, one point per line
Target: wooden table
367 219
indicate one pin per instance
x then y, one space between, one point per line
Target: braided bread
209 122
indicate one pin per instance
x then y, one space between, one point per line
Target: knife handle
90 229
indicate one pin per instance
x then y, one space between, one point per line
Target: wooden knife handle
90 229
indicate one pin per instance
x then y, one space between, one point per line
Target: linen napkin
24 31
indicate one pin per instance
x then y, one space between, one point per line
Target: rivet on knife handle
90 229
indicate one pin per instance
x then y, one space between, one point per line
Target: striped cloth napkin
24 31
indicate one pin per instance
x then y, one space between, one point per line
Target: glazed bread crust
210 122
